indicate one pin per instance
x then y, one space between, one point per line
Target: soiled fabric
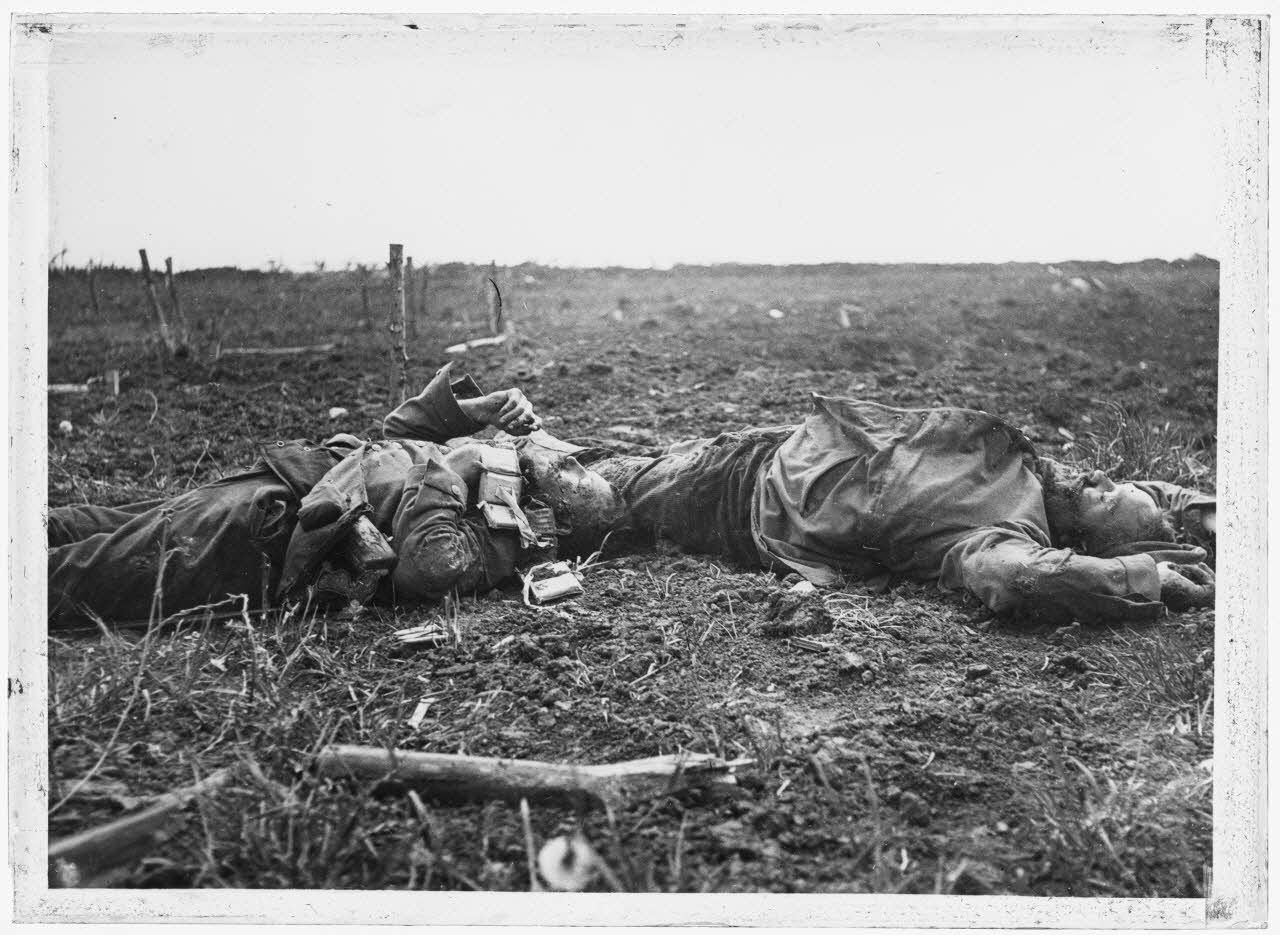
211 543
861 489
699 493
242 534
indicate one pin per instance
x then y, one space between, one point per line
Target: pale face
1109 513
581 498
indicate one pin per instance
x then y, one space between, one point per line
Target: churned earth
910 744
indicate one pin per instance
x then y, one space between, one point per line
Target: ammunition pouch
500 471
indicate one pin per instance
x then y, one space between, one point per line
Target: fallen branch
84 859
476 778
68 387
275 351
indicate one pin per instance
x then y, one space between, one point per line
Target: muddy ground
951 753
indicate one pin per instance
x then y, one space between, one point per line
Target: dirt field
959 755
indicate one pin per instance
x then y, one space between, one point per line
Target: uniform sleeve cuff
440 396
434 413
1140 570
465 388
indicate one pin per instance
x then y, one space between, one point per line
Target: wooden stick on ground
399 354
276 351
477 778
83 859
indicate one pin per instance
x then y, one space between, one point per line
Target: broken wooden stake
113 380
422 294
495 309
84 859
179 319
411 301
477 778
175 346
68 387
93 289
398 372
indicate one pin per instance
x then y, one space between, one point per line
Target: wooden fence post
410 288
179 319
93 290
422 293
364 294
399 359
166 334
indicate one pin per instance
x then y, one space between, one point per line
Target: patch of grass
1166 672
1100 836
1126 446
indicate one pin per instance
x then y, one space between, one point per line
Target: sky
245 141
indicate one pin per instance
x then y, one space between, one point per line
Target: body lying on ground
856 492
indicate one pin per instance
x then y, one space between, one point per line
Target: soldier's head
586 506
1093 514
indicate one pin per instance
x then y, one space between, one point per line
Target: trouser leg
81 520
198 548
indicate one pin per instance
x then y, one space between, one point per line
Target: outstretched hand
1183 586
508 410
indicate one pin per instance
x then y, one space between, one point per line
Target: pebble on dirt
979 671
1066 636
914 809
851 663
568 864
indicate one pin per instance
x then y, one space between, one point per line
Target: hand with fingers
508 410
1185 585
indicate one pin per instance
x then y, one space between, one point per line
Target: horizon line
322 267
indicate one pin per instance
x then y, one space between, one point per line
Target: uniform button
454 488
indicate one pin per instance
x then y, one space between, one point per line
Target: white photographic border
1237 65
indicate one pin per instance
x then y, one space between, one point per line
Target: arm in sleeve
341 489
437 549
1013 574
434 414
1192 512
